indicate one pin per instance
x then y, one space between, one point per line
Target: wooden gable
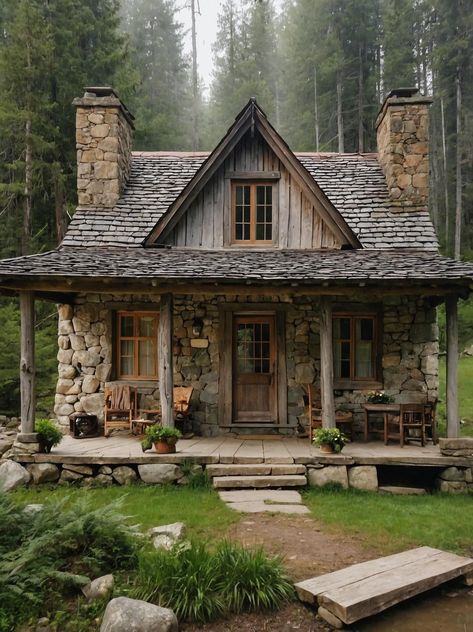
303 217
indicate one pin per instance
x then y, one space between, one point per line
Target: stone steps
257 469
397 490
258 481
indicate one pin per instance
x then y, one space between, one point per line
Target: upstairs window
252 205
355 347
137 345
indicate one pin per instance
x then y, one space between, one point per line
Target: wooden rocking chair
343 418
182 405
119 409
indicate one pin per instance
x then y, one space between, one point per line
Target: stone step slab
261 507
283 496
263 469
402 491
222 482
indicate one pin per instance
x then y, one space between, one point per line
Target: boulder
124 475
99 588
70 477
133 615
176 530
86 470
33 508
102 480
12 475
105 469
160 473
164 542
6 443
43 625
329 475
363 477
43 472
452 474
90 384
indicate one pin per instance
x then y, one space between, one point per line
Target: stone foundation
85 356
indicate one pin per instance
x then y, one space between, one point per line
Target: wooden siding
296 220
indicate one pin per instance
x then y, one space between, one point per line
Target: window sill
357 385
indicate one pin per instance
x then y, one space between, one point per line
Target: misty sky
206 32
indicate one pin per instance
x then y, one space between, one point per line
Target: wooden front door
254 369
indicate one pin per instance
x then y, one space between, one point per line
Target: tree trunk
458 169
340 130
28 191
326 364
195 86
166 379
316 114
27 365
360 101
445 178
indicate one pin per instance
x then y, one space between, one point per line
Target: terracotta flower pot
166 447
327 448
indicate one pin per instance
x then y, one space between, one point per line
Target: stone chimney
402 129
104 134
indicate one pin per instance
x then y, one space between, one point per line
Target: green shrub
52 553
251 580
184 579
201 585
48 431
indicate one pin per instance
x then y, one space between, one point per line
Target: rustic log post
27 365
453 419
326 364
166 380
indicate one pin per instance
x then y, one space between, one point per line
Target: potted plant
380 397
49 434
329 439
164 438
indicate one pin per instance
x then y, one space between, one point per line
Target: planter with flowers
329 440
164 438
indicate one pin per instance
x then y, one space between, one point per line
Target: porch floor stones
258 501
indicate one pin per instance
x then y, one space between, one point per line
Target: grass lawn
394 523
465 393
201 509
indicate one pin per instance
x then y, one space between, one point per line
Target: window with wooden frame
355 348
252 213
137 342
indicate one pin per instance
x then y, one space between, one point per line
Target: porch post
27 366
326 363
453 419
166 380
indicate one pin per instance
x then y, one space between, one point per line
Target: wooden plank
307 217
227 450
225 389
249 452
326 364
276 452
376 594
27 363
365 589
281 367
453 418
253 175
165 359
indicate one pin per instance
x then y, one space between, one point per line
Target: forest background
319 68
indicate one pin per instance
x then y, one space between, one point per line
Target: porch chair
412 417
343 418
119 409
182 405
430 421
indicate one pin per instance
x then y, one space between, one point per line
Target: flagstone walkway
264 500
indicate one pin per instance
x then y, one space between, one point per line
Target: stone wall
410 350
103 140
402 136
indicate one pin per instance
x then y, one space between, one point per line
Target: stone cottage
247 273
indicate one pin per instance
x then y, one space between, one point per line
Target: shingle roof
310 266
354 183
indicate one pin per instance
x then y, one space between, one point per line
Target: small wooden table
380 409
138 426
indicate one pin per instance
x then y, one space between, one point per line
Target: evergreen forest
319 68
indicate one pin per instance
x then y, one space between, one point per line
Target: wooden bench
365 589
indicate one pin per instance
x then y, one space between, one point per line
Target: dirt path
307 550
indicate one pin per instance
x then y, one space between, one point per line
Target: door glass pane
253 348
364 347
146 358
245 359
126 326
264 212
242 213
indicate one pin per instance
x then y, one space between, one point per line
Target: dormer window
252 206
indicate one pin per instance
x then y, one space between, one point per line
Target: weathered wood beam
165 359
60 286
453 418
27 364
326 364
